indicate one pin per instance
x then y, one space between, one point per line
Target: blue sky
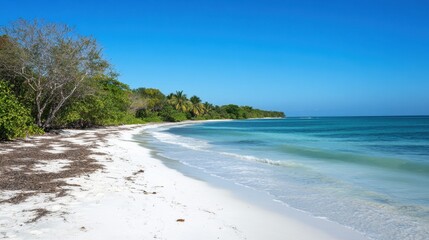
307 58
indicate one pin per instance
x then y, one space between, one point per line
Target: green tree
15 83
54 61
15 119
150 99
179 101
208 106
233 111
197 108
170 114
107 106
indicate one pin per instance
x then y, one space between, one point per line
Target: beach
213 120
133 195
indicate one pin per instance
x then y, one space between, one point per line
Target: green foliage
170 114
146 104
177 107
233 111
197 107
15 119
154 99
129 119
148 116
55 62
56 78
107 106
180 102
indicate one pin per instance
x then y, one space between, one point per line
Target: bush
152 119
107 107
128 118
145 113
177 117
15 119
169 114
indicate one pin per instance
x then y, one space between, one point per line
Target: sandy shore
122 192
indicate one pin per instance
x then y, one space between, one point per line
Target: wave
200 145
262 160
376 161
324 176
241 142
190 143
306 152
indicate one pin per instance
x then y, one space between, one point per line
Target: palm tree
208 107
179 101
197 108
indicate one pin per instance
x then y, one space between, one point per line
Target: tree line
51 77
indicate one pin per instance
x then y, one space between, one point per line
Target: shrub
108 106
145 113
15 119
169 114
152 119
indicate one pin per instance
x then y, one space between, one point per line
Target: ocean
367 173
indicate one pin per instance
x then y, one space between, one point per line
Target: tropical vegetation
51 77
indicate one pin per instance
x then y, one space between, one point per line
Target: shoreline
259 199
136 196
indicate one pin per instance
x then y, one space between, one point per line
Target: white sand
52 166
118 203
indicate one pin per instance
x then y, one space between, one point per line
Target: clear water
367 173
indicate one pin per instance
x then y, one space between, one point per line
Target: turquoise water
367 173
